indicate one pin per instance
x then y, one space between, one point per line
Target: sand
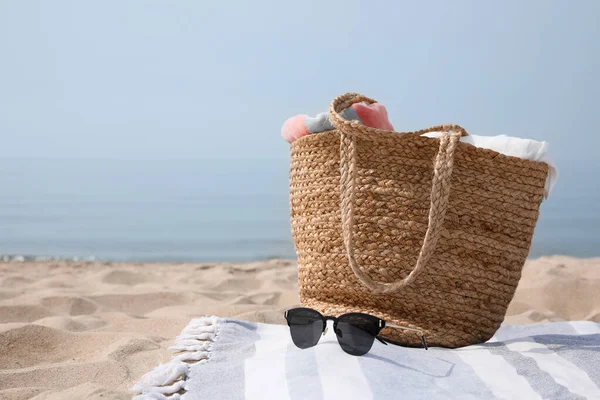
91 329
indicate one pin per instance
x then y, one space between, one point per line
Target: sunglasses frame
379 324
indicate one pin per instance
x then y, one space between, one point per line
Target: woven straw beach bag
425 233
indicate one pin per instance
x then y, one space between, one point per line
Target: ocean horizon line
9 258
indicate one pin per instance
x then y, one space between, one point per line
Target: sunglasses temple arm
424 341
421 335
381 340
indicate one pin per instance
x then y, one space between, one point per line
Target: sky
187 98
190 79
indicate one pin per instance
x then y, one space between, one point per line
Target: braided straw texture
425 233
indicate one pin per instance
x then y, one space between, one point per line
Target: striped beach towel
221 358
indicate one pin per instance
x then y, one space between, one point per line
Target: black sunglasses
355 332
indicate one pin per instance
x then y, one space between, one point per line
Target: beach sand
74 330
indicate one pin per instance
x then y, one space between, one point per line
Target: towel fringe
193 345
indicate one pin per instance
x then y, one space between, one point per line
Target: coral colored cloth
373 115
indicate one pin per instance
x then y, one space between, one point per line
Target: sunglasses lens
306 327
356 333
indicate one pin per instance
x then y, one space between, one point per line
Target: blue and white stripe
258 361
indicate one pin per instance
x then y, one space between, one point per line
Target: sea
207 210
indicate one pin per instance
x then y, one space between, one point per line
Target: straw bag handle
440 187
